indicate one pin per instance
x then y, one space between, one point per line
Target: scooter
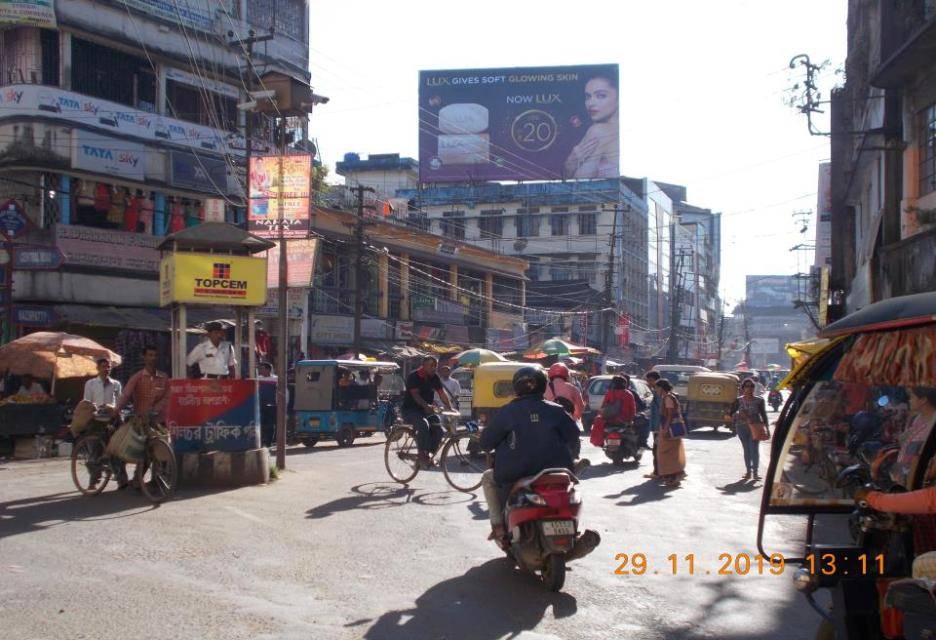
542 514
622 441
774 399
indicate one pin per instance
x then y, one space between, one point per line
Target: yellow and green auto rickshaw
709 399
493 388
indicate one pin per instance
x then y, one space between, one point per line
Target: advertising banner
339 330
441 311
765 346
534 123
300 258
201 173
265 194
107 249
213 415
824 217
79 109
35 13
193 14
770 291
110 156
212 279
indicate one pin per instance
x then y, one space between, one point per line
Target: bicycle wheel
90 468
463 463
401 456
158 474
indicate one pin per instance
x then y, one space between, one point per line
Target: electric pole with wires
606 314
359 245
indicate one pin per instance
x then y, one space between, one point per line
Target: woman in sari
671 455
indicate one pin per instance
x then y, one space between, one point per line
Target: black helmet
528 381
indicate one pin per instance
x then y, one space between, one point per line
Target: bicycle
459 453
156 473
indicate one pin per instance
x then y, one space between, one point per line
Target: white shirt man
102 390
451 384
214 357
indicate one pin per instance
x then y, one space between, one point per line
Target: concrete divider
224 468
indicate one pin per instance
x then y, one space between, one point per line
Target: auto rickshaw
344 399
862 410
493 388
709 400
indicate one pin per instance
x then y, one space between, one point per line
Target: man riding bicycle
421 388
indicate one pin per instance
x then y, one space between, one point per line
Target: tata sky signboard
109 156
534 123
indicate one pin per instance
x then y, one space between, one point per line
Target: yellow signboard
204 278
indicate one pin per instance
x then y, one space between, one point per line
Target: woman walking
749 415
671 455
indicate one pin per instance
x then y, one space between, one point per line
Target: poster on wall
533 123
265 195
35 13
300 258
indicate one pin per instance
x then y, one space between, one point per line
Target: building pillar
383 283
453 281
488 298
404 288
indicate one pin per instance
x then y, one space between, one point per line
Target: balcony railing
907 267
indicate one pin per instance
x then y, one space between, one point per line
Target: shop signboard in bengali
85 111
266 173
188 170
205 278
33 13
213 415
108 250
108 156
442 312
295 303
533 123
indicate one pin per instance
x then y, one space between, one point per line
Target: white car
597 388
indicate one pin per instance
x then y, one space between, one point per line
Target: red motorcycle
542 515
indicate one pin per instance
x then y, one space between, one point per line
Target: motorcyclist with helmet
528 435
563 392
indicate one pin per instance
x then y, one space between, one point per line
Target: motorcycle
774 399
542 514
622 441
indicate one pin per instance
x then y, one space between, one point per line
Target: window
285 17
928 151
527 225
50 57
560 273
559 224
453 224
188 103
418 220
491 223
560 209
94 68
588 207
588 224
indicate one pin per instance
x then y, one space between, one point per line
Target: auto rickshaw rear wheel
345 436
310 442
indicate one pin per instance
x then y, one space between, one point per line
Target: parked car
598 387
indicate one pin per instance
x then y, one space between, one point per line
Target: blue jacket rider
528 435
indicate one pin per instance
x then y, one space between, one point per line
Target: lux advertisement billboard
533 123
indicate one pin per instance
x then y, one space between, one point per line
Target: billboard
265 194
824 217
532 123
205 278
770 291
35 13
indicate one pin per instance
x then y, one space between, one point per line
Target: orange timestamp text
726 564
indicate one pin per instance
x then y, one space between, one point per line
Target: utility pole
609 286
246 45
721 336
283 346
676 259
359 265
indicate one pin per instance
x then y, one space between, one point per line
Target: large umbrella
48 355
559 347
474 357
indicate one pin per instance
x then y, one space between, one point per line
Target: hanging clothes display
84 190
177 216
191 213
132 214
102 197
145 208
115 213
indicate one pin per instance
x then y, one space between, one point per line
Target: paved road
332 550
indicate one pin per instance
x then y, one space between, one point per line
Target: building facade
883 174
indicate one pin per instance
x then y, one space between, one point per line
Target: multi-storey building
883 203
118 122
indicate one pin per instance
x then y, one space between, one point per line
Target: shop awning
136 318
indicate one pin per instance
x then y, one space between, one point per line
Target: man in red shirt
146 389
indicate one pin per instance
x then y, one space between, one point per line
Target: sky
702 93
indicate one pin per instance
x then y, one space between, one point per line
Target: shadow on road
741 486
43 512
492 601
609 469
710 434
385 495
649 491
330 445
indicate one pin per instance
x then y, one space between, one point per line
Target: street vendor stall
63 361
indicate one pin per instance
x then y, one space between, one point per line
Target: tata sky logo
69 104
12 95
103 153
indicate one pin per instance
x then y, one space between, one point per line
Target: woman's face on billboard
601 99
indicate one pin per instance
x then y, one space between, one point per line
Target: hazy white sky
702 89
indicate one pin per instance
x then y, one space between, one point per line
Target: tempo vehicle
709 399
326 407
493 388
678 375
